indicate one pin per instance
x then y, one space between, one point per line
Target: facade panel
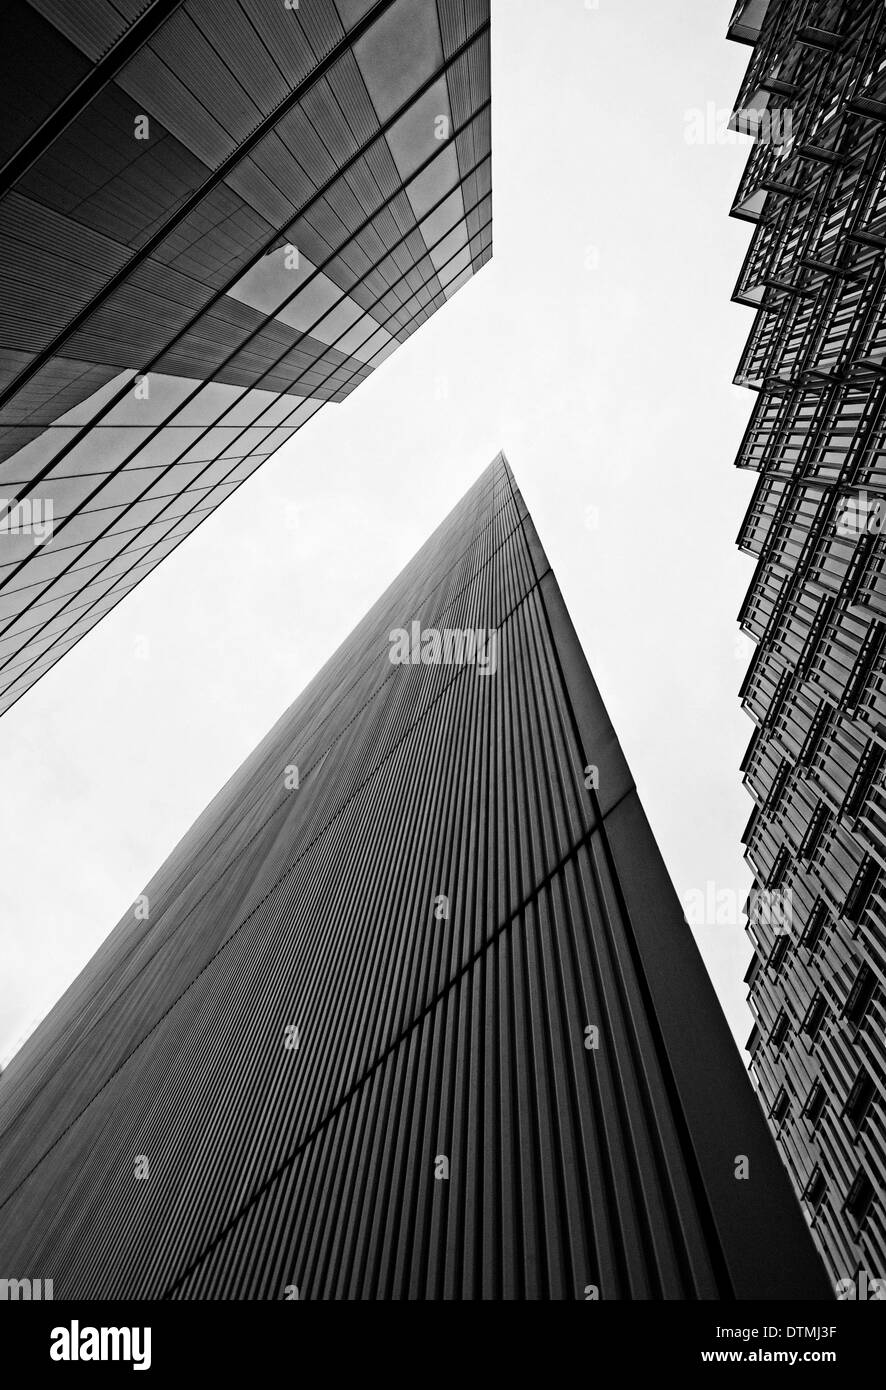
412 1011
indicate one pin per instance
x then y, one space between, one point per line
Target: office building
412 1011
215 216
814 192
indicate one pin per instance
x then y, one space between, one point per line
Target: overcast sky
597 349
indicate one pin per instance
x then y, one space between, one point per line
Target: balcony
747 21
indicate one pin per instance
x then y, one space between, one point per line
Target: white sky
597 349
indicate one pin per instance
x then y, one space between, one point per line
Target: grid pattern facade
444 1127
215 216
815 189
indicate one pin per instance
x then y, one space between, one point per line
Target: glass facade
215 217
815 191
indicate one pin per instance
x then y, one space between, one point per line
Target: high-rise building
815 190
215 215
412 1011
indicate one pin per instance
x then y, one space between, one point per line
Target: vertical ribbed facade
215 216
815 189
412 1011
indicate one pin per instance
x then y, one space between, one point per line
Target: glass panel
399 52
103 449
62 495
449 246
311 303
252 404
337 322
280 409
152 398
271 281
86 411
418 133
33 457
434 182
355 342
124 487
457 264
206 407
442 219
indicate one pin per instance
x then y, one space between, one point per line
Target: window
815 1189
814 832
815 1015
780 1029
861 1195
813 1107
781 1106
860 996
390 70
813 932
867 660
868 770
860 1099
815 734
779 869
778 952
